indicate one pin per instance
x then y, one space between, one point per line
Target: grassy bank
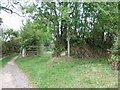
7 59
63 72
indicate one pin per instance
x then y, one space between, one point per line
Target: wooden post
68 43
23 52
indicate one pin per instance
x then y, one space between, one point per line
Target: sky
11 20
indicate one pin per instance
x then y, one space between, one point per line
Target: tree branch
9 10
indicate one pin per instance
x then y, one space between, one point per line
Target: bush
116 49
115 58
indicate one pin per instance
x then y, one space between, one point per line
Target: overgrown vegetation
63 72
10 42
115 54
91 27
88 24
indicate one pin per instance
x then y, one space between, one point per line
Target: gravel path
13 77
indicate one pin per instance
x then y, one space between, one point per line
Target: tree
93 24
10 42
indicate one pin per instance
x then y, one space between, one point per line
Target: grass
63 72
7 59
0 55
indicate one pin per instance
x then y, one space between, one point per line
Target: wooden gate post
68 42
23 52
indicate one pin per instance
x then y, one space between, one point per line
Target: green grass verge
63 72
7 59
0 56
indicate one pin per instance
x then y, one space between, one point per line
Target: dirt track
12 77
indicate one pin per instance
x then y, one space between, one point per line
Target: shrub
115 58
116 49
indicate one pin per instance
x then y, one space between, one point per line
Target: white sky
11 20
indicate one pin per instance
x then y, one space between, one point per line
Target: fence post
23 52
68 43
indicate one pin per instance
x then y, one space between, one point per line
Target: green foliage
116 49
29 8
36 33
79 20
29 35
10 41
